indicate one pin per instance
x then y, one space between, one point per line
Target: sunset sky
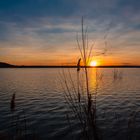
43 32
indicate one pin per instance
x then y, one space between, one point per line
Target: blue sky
44 31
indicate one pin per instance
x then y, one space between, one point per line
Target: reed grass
79 98
19 123
117 74
12 104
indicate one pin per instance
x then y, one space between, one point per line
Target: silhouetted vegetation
81 101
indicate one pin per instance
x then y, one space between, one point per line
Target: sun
93 63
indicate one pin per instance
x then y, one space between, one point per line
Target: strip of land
6 65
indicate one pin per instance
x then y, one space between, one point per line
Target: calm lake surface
40 97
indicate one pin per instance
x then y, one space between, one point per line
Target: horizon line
6 65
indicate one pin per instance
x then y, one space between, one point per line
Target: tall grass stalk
77 95
117 74
19 122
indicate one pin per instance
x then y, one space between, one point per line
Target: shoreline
70 67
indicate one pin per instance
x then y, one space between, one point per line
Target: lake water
40 98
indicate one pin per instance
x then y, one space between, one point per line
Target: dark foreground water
40 99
